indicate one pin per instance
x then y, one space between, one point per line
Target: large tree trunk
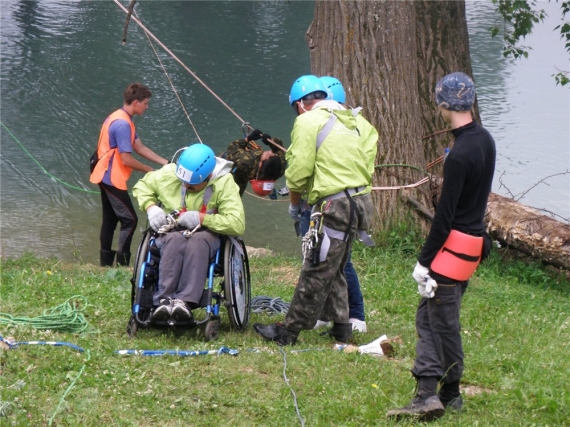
528 231
371 47
389 56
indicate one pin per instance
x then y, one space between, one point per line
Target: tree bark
370 46
527 230
389 56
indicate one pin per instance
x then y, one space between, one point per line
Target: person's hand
427 289
420 273
254 136
189 219
295 212
156 217
265 138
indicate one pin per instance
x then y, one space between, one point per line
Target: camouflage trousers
321 291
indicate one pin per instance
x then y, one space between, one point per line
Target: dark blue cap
455 92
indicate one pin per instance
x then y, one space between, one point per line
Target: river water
63 69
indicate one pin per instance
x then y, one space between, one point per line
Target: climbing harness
310 243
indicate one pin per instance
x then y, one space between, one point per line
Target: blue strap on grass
221 350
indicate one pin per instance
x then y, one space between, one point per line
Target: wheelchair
228 284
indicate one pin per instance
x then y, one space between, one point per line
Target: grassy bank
516 332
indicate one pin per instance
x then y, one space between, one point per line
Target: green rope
43 169
66 317
69 389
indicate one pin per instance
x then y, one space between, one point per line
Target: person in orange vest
117 140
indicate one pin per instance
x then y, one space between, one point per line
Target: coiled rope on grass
263 304
66 317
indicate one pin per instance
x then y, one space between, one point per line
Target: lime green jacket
163 186
344 160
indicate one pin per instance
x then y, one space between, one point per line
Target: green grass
515 329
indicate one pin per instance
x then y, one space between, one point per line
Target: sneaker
322 324
163 311
421 409
358 325
180 310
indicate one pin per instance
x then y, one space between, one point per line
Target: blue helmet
195 164
334 88
304 86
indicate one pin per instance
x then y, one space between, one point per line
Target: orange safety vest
119 172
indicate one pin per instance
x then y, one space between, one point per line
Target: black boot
342 332
107 258
276 332
450 396
425 406
123 259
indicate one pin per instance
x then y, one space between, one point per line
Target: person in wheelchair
206 199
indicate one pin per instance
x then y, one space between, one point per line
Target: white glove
156 217
427 288
295 212
189 219
420 273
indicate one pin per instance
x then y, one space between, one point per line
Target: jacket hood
343 115
329 105
223 167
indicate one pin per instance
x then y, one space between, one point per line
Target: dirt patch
473 390
286 274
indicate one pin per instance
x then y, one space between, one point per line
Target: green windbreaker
344 160
163 186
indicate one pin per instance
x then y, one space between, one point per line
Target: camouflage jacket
246 157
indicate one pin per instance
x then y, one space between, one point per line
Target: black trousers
439 350
117 207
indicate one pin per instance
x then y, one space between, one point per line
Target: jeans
355 299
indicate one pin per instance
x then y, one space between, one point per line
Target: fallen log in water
520 227
527 230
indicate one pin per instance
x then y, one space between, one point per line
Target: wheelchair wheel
140 259
132 327
237 283
139 296
211 330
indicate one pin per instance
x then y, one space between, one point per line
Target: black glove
265 138
254 136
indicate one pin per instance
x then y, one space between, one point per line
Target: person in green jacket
329 164
201 187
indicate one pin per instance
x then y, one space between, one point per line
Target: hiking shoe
180 310
455 404
163 311
322 324
358 325
421 409
276 332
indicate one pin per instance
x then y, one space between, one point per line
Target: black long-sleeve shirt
467 178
